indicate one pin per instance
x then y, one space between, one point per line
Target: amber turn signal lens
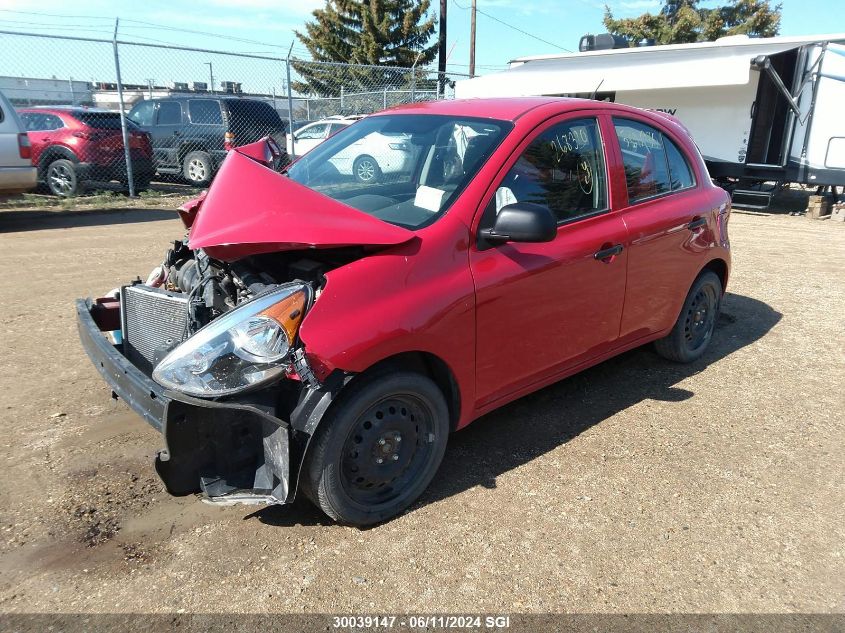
288 313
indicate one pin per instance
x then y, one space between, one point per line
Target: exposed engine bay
214 287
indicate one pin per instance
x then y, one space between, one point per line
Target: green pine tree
382 33
681 21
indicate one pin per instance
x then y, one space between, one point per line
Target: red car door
542 308
666 215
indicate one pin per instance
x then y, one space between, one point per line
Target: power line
127 23
511 26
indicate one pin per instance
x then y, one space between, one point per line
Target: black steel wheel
694 328
378 448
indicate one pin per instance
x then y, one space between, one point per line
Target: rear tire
61 178
197 168
693 330
378 448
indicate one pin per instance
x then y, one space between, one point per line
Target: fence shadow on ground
538 423
40 220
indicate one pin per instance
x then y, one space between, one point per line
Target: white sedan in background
309 136
374 155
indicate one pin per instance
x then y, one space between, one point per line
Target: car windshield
406 169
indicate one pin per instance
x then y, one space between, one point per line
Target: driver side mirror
522 222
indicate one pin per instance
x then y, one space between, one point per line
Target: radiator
153 321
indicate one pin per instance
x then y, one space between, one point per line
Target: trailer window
644 158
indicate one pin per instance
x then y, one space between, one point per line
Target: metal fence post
341 98
290 104
414 83
123 127
385 98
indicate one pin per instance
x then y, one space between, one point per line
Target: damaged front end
207 350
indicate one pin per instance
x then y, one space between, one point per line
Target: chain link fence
128 116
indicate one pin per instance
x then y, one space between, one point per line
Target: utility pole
441 54
472 41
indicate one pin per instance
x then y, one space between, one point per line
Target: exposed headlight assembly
245 347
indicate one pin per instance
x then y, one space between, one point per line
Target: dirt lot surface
638 485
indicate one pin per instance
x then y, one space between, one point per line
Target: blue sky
559 22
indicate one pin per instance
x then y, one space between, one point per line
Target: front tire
693 330
378 448
197 168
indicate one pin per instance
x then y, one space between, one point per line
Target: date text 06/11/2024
421 621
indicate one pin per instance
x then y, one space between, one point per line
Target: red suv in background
74 147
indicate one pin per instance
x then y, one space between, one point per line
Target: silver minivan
17 174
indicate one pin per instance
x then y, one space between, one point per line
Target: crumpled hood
251 209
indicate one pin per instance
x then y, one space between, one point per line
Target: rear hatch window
103 120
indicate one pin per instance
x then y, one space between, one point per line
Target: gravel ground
637 486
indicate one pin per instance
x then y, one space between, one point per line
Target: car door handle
607 253
697 224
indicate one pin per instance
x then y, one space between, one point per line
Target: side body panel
420 295
415 297
544 307
664 254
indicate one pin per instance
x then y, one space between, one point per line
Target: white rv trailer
767 109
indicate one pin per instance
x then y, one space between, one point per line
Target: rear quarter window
680 171
249 112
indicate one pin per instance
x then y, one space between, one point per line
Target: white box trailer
760 109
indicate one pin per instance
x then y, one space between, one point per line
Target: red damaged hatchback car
316 334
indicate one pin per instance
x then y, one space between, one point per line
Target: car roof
509 108
66 109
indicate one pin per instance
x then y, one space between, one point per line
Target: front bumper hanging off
233 452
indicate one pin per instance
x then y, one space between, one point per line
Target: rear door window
169 113
205 112
653 163
39 122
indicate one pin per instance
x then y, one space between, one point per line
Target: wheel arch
54 152
720 267
431 366
192 145
309 413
